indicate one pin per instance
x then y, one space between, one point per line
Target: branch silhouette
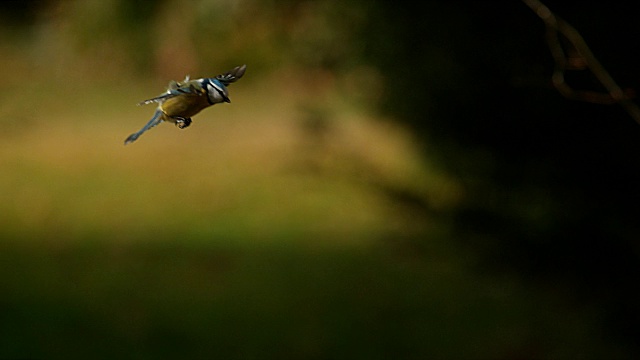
581 58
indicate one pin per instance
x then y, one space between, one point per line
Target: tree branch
556 27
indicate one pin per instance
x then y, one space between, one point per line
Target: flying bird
182 100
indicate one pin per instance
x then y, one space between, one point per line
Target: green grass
165 300
252 168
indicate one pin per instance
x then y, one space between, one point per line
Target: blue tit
184 99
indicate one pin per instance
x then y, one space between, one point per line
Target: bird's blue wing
175 89
155 120
158 99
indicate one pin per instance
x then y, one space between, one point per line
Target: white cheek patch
217 94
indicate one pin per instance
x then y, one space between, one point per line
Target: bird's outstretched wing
175 89
232 75
155 120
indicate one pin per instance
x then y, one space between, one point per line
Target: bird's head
216 91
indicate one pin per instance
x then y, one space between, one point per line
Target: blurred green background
390 181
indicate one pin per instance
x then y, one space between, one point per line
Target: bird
184 99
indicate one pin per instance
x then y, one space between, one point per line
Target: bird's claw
182 123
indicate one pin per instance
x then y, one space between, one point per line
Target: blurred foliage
115 38
389 181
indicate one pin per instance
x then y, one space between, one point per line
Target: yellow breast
184 106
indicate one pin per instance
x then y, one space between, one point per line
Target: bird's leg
182 122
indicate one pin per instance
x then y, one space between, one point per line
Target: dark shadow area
551 184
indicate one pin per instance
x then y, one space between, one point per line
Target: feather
175 89
232 75
155 120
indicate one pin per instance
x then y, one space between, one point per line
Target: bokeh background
390 181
